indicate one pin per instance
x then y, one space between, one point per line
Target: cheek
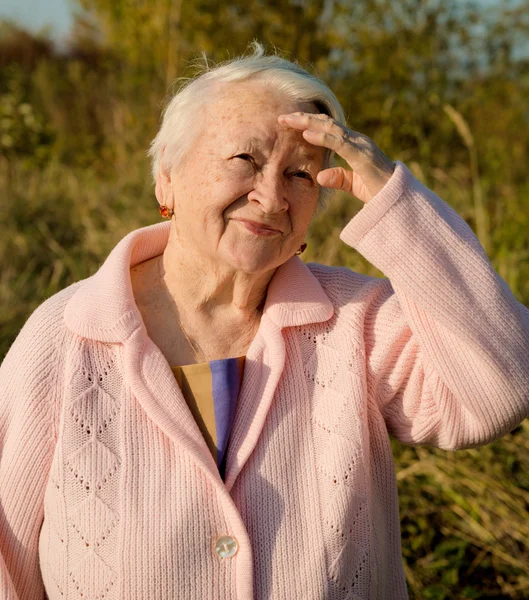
302 212
206 200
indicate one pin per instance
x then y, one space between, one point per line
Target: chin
254 262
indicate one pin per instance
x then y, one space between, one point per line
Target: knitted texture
108 489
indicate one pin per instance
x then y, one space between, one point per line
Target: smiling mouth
258 228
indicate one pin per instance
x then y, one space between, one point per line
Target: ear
163 184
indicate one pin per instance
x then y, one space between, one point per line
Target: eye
247 157
303 175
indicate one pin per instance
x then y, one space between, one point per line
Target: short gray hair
179 124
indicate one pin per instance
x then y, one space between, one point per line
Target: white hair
180 124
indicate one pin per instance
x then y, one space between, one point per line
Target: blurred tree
380 57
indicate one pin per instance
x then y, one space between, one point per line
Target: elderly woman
207 416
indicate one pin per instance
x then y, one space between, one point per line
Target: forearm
472 334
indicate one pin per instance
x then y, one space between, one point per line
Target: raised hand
371 168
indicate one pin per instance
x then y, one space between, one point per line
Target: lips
257 227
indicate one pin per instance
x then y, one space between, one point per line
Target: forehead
250 109
243 98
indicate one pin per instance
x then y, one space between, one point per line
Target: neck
205 287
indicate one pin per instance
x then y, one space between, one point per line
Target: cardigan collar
103 307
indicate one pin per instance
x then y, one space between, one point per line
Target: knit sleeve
447 344
29 393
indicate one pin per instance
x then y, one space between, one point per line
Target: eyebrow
308 155
255 142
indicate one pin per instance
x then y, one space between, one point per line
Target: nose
269 192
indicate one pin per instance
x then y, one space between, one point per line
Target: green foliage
22 131
413 75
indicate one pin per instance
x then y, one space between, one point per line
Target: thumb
337 178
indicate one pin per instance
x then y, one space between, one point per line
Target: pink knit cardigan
108 489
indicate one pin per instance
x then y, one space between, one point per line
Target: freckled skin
212 187
214 272
257 156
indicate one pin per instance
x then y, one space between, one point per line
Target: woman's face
246 191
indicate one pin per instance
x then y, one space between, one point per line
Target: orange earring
301 248
166 213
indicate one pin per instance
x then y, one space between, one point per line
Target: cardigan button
226 546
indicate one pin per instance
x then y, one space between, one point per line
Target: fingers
324 138
322 130
337 178
312 122
301 120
